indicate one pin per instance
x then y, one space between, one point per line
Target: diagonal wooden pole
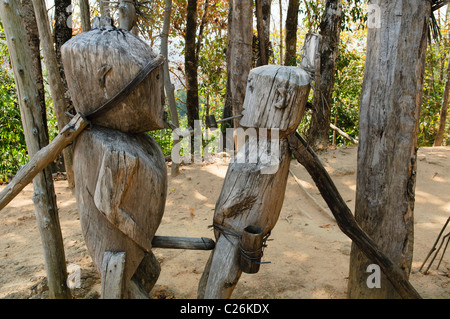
42 159
344 217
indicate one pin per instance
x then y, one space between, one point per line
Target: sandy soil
309 255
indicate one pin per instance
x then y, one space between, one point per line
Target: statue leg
145 277
222 271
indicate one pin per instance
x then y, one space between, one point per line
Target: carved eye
101 74
250 85
282 98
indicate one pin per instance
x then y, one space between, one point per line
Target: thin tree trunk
62 31
191 66
200 32
387 154
281 31
105 10
85 15
228 105
169 88
443 114
57 89
291 33
240 49
262 13
25 59
330 28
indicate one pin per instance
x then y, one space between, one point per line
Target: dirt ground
309 255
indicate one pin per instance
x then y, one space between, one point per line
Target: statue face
276 97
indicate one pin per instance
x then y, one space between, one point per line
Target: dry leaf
325 226
192 212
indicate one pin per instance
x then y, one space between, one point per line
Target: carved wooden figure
254 187
120 172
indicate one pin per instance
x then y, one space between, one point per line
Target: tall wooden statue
254 187
120 172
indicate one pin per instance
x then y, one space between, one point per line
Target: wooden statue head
99 64
276 97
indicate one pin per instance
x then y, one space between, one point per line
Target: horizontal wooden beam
183 243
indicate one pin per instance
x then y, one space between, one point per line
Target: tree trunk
387 153
228 105
169 88
263 26
443 115
57 88
330 28
25 59
105 10
291 33
85 15
281 31
62 31
240 38
191 64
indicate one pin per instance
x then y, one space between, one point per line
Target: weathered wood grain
112 275
247 198
172 242
276 98
388 129
121 187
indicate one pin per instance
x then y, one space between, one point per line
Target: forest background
212 67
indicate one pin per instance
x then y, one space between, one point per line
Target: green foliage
433 93
212 73
13 152
348 84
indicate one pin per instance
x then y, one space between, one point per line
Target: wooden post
34 128
182 243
